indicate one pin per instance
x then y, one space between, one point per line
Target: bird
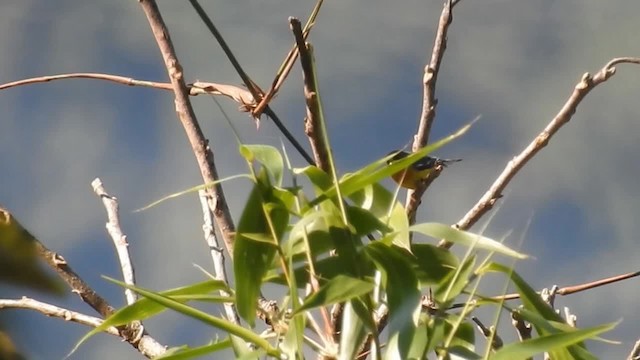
416 173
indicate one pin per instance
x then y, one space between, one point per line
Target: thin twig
288 63
55 311
429 102
240 95
253 88
119 238
199 143
312 126
568 290
586 84
217 254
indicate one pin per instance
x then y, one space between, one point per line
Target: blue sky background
513 62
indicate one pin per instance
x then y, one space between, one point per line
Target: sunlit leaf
442 231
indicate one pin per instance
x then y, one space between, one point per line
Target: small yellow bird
411 177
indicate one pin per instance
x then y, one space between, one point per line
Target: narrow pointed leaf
338 289
442 231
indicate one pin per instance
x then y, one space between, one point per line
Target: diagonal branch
199 143
586 84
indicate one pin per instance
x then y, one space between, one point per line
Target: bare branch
118 237
199 143
312 127
429 103
54 311
586 84
635 352
217 254
568 290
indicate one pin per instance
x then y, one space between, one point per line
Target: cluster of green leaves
352 239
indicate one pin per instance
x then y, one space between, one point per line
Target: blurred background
513 62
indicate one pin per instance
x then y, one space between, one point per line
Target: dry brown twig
429 103
238 94
312 126
586 84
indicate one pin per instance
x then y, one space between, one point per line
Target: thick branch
199 143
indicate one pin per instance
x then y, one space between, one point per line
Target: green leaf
442 231
547 343
364 222
19 262
192 190
202 316
351 333
315 225
145 308
184 352
326 268
403 297
263 214
269 157
382 204
534 303
455 282
432 263
338 289
320 180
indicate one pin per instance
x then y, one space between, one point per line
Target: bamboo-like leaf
269 157
263 214
202 316
403 297
185 352
145 308
547 343
338 289
442 231
192 190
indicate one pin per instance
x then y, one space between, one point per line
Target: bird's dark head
397 155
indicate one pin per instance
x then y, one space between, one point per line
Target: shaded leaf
338 289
